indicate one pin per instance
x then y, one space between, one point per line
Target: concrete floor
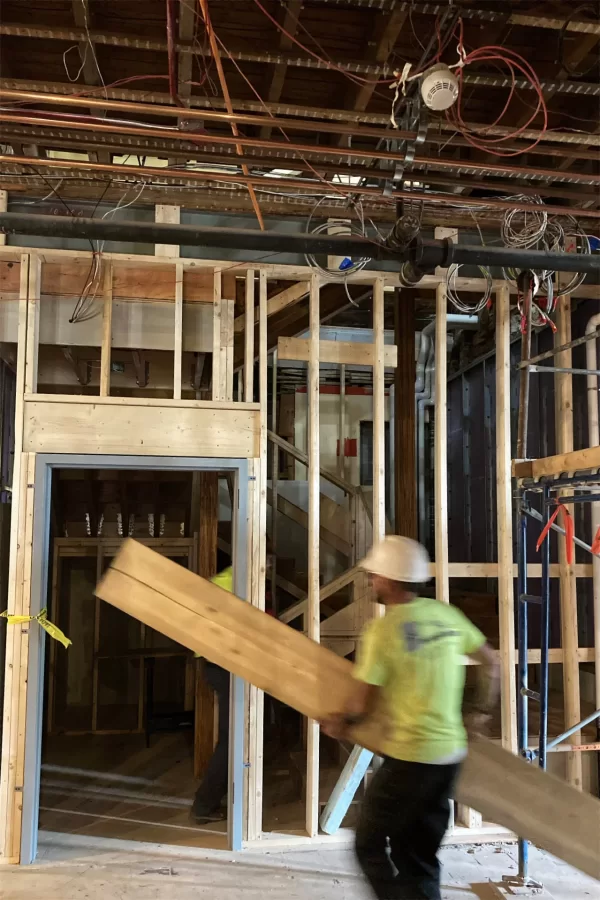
72 868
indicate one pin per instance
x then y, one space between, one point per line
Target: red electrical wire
330 65
514 61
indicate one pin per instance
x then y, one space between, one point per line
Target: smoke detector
439 87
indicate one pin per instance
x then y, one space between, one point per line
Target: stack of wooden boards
284 663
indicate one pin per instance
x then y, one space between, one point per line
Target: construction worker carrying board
411 669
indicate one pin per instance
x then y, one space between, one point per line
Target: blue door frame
45 463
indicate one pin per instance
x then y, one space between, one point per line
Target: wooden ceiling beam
386 31
89 63
290 23
187 29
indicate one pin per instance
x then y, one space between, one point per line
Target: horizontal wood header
347 352
159 428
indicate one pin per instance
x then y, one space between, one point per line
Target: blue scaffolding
546 488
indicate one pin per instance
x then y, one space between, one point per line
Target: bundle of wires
515 64
339 226
527 230
469 309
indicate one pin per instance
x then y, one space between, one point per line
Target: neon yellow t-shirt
224 579
415 654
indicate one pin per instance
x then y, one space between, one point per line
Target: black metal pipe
426 254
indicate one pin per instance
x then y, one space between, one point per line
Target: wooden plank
560 464
162 430
378 413
302 457
442 588
216 346
106 346
178 349
33 326
506 612
249 337
298 609
302 518
313 617
287 297
316 682
346 787
563 404
79 400
9 828
349 352
167 215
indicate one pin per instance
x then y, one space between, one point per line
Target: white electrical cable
457 302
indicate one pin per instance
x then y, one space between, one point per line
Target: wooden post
3 208
249 339
440 448
216 344
342 423
378 413
105 350
274 485
208 522
226 349
14 687
405 463
178 344
563 398
506 597
257 562
313 616
33 325
167 215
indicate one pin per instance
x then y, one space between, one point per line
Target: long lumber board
315 681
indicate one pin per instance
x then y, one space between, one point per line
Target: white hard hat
399 559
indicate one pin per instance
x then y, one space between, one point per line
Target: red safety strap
596 543
569 531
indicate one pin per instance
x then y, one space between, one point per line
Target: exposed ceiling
141 89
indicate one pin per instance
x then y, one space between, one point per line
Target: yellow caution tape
42 620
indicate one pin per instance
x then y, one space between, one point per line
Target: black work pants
402 823
214 784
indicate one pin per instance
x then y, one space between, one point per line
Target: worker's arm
488 685
359 705
369 674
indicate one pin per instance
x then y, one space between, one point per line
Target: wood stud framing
47 410
442 587
313 617
563 397
107 311
506 604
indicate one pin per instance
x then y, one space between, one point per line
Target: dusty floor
70 868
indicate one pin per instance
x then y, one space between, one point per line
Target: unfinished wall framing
196 299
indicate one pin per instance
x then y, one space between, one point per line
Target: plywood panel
182 430
315 681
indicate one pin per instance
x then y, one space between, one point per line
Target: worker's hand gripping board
313 680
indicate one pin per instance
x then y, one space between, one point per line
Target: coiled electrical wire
358 265
451 291
523 228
